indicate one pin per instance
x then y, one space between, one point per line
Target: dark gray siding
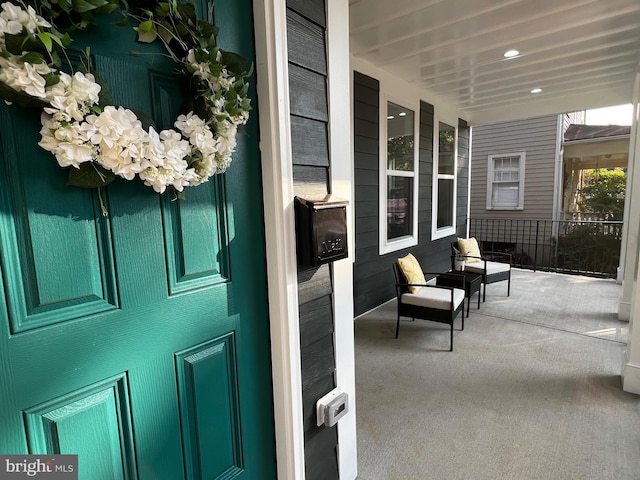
306 30
373 277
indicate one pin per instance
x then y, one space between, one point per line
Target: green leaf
66 40
45 38
13 43
163 8
33 57
55 58
82 6
148 36
145 26
234 62
51 79
90 175
165 33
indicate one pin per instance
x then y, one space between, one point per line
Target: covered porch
532 389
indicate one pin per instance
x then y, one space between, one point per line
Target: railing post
535 255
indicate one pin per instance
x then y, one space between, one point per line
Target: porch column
631 216
631 293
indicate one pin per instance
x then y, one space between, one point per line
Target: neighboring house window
399 180
445 167
505 182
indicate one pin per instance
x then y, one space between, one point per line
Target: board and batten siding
536 137
306 35
374 282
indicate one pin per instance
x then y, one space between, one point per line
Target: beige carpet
532 389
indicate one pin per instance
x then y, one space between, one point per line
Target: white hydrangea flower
72 97
118 134
24 77
66 142
14 18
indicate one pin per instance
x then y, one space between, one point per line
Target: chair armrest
425 285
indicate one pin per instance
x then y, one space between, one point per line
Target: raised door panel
57 251
210 409
93 423
196 240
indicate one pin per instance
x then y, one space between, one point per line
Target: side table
472 283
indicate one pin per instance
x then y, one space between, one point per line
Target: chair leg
509 285
398 326
451 341
484 291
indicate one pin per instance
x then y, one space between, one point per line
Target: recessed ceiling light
390 117
402 114
511 53
536 90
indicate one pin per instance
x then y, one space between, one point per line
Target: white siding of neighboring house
536 137
573 118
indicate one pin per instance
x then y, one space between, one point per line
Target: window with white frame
398 186
505 181
445 167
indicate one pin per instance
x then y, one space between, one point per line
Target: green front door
139 340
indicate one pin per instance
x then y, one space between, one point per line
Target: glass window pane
445 203
446 150
399 207
505 195
400 138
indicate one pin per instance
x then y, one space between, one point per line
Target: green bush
588 249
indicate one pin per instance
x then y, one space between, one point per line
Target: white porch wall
341 155
631 293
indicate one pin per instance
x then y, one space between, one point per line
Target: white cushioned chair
428 301
493 266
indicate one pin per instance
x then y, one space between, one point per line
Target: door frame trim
270 27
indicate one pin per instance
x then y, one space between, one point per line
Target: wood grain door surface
138 341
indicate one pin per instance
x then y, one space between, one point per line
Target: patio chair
426 301
493 266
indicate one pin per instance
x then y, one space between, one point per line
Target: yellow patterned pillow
469 246
412 271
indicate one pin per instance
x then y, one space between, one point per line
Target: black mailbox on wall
321 229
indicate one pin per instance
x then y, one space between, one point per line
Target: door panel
94 422
210 410
138 340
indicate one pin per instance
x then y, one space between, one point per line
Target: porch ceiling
581 53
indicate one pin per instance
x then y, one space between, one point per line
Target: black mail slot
321 229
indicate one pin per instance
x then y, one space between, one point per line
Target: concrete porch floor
532 389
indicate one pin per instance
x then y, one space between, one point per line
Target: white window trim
388 246
436 232
490 170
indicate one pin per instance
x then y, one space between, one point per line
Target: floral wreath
103 141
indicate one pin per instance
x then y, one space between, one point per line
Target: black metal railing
584 247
